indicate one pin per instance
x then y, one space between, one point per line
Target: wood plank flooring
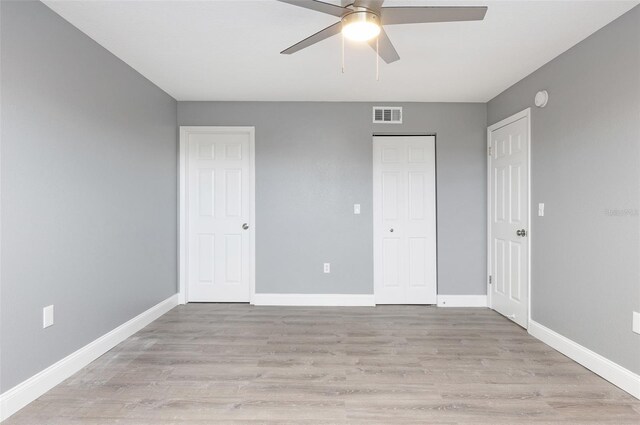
239 364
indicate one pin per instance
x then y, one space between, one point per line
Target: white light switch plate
356 208
541 210
47 316
636 322
327 267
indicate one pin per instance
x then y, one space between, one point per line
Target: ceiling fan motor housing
361 15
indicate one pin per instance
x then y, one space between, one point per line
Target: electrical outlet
327 267
636 322
47 316
356 208
541 210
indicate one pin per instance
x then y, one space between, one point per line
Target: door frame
183 205
435 194
522 114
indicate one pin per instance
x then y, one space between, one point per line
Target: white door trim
522 114
183 205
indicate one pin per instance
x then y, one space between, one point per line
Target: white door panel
219 205
391 262
508 218
404 220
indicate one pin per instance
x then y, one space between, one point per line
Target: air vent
387 114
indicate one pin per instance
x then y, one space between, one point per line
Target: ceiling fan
362 20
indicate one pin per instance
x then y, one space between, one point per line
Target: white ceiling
229 49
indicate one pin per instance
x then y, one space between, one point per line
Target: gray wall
314 161
88 190
586 169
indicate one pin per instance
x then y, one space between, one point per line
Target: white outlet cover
47 316
356 208
636 322
540 210
327 267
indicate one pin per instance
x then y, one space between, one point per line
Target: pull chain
343 53
377 60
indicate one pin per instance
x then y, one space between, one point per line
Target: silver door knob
391 230
521 232
245 226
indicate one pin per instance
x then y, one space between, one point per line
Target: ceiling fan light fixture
361 25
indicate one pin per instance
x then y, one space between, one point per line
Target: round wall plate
541 99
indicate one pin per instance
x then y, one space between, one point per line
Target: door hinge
489 150
490 279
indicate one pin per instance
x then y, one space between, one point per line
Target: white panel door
404 214
219 215
509 218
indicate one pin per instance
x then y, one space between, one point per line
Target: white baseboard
24 393
314 299
612 372
462 300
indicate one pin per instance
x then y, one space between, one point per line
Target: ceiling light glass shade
360 26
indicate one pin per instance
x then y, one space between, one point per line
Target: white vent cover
387 114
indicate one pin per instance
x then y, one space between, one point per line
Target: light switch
541 210
356 208
47 316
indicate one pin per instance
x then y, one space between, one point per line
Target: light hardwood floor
234 363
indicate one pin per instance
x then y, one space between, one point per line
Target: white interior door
404 214
220 210
509 218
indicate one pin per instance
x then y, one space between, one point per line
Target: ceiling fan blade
374 5
385 48
315 38
319 6
419 15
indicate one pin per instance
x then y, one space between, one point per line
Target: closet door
404 211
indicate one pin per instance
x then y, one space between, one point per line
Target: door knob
245 226
391 230
521 232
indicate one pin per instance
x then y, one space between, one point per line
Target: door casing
183 205
522 114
